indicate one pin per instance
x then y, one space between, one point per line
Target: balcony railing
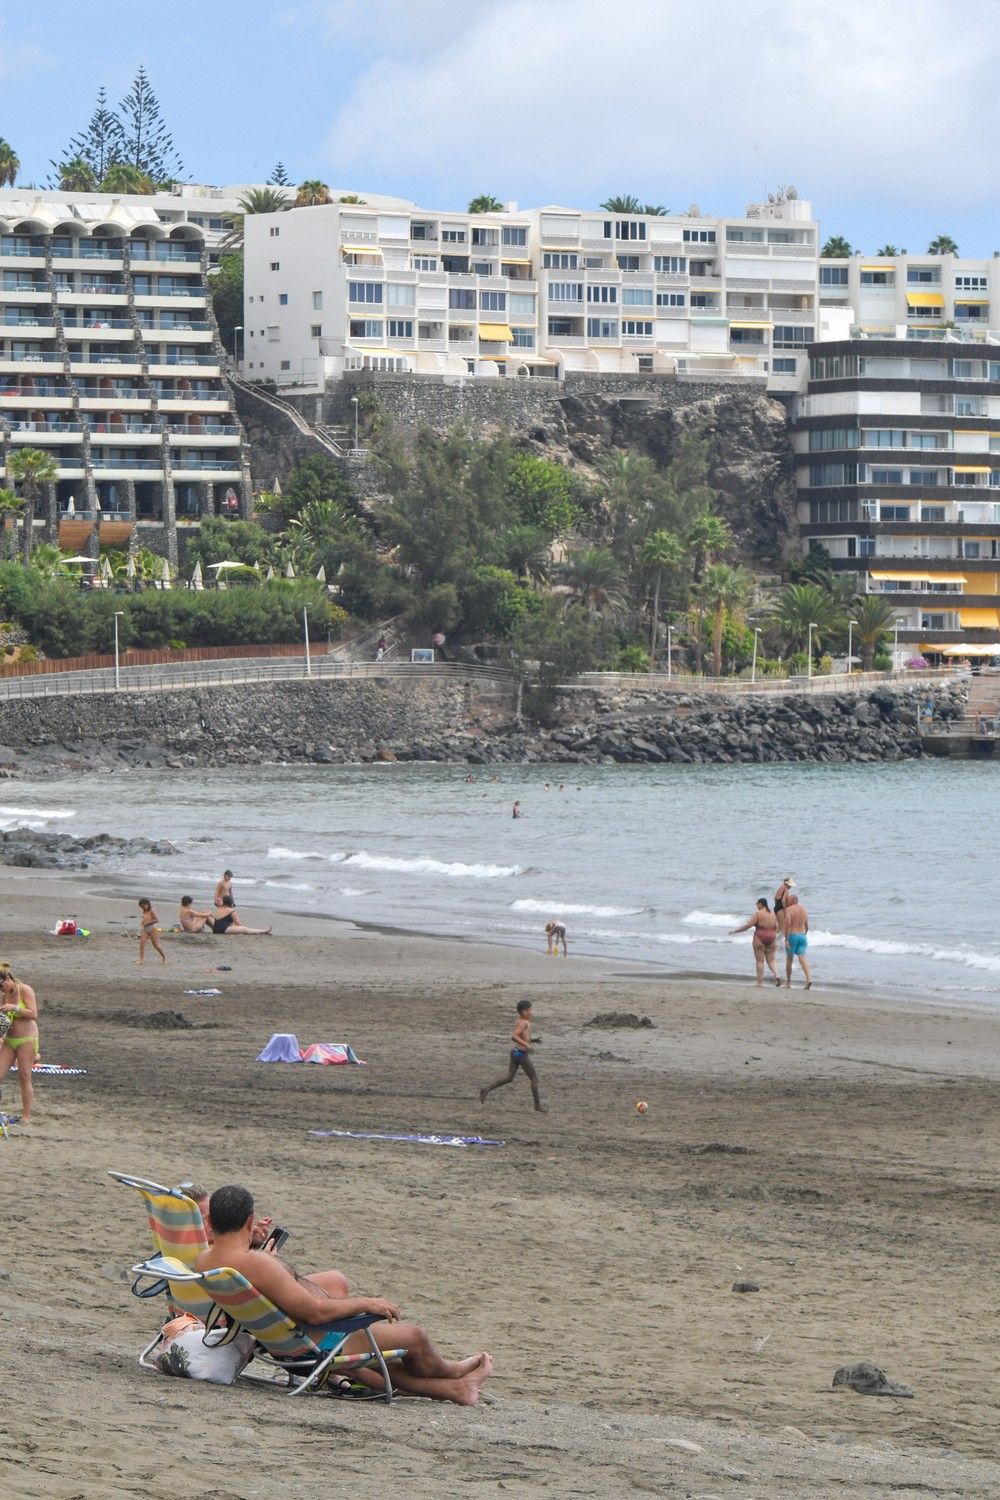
185 396
94 252
117 462
192 293
112 394
187 327
43 427
35 357
178 429
191 257
223 462
96 326
34 252
117 357
182 359
12 322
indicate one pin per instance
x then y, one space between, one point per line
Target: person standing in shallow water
796 941
520 1057
765 939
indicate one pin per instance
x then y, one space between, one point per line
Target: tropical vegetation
485 203
837 248
128 149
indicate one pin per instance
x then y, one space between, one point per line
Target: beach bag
187 1354
66 928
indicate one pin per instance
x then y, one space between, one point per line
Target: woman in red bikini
19 1013
765 939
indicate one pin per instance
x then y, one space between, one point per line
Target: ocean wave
570 908
971 958
710 919
423 865
17 817
278 851
353 890
290 885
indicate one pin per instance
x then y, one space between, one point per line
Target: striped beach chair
283 1347
178 1235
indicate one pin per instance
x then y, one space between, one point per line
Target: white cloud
884 101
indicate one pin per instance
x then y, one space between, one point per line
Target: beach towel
203 992
283 1047
55 1070
331 1052
423 1140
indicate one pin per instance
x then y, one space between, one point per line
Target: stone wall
276 444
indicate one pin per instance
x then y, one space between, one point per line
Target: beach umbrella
289 570
269 574
227 567
105 570
165 575
80 559
196 578
321 575
130 568
277 486
71 506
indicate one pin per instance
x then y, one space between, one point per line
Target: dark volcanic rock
619 1020
869 1380
32 848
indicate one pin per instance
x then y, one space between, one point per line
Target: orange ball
641 1106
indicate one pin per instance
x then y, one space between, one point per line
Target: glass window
827 474
923 275
425 263
628 262
894 512
602 294
557 260
453 236
366 328
629 229
833 275
833 437
746 335
275 265
316 330
566 291
637 296
493 301
364 291
400 328
399 294
524 338
926 477
884 437
483 236
283 299
671 299
513 234
791 337
783 366
633 328
932 513
317 301
970 283
878 278
461 296
521 303
602 328
699 236
672 265
705 299
560 327
481 268
885 476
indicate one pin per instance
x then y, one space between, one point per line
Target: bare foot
467 1389
465 1367
541 1109
759 985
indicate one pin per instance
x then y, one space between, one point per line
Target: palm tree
47 560
622 203
942 244
705 537
595 579
805 604
264 200
528 552
873 619
889 250
9 164
723 591
485 203
661 550
351 198
76 176
33 468
655 210
10 508
121 177
312 193
837 248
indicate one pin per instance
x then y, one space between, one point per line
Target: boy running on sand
520 1057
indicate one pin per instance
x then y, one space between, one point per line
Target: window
958 478
481 268
455 265
425 263
566 291
636 329
962 369
602 294
400 328
524 338
932 513
366 328
461 296
791 337
746 236
971 313
276 265
821 439
272 333
628 262
783 366
317 301
557 260
493 301
878 278
673 265
513 234
316 330
483 236
602 328
923 275
282 299
824 474
970 283
699 236
671 299
926 440
927 477
746 336
364 291
628 229
884 437
825 512
521 303
400 295
274 231
560 327
971 549
894 512
453 236
286 364
924 312
703 299
637 296
885 476
833 275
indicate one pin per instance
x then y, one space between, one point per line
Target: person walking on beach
555 933
765 939
147 932
19 1027
520 1057
781 896
796 941
224 890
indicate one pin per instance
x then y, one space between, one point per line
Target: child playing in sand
520 1057
555 933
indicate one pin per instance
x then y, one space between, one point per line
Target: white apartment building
386 285
911 296
110 361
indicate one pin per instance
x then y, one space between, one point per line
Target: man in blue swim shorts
796 941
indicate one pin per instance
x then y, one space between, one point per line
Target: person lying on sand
195 921
323 1298
227 920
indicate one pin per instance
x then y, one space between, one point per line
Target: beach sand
839 1150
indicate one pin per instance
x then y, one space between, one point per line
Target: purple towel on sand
283 1047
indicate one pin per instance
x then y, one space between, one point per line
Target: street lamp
354 403
118 677
850 643
809 649
236 346
895 645
305 632
753 664
670 652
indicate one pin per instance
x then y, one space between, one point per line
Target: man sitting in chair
313 1301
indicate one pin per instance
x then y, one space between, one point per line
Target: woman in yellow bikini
19 1022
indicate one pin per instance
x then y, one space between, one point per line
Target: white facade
539 293
110 361
912 296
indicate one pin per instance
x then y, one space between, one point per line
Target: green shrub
176 645
633 659
28 653
883 663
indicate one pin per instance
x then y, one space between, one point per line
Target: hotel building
110 361
550 292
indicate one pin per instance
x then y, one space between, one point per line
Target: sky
879 111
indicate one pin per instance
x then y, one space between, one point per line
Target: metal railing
175 677
659 682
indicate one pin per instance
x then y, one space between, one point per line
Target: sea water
649 866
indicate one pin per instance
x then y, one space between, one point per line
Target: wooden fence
154 658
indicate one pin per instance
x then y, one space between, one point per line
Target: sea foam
570 908
423 865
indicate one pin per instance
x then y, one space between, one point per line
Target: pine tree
146 142
100 145
279 177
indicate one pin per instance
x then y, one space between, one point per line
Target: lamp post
236 345
753 664
809 650
670 653
895 645
354 403
118 677
305 632
850 643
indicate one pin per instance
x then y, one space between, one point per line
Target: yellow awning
979 619
735 323
951 578
878 268
972 469
972 301
901 577
925 299
498 332
362 250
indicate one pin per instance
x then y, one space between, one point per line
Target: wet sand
839 1150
